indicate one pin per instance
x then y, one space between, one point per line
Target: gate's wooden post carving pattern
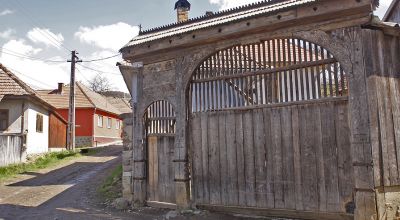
139 162
361 147
182 187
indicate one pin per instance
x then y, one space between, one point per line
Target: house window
39 123
109 123
3 120
100 121
118 125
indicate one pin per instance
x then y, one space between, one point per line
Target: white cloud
111 37
46 37
6 12
34 72
20 47
7 33
225 4
106 67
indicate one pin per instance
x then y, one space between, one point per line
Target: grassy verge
44 161
110 189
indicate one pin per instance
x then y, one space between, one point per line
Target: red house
97 120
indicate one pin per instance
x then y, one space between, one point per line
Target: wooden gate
160 133
269 130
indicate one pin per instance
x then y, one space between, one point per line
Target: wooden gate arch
269 129
159 124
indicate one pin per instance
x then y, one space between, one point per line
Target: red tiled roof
84 98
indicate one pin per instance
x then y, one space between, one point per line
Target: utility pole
71 109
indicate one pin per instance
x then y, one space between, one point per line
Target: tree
100 84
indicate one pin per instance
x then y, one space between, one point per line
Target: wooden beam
277 213
268 71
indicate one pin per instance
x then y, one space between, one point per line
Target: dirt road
69 192
63 192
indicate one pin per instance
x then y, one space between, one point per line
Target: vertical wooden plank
308 160
276 136
248 138
171 171
270 196
330 154
260 159
152 143
214 163
307 76
391 143
297 159
233 192
197 174
288 159
345 166
162 169
223 153
381 92
205 157
240 159
395 100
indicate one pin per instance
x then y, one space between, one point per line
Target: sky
36 36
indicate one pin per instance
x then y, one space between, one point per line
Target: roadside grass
45 161
110 189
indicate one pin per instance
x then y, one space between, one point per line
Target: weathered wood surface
289 158
386 129
10 149
161 184
160 131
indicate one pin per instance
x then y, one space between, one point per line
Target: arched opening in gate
269 72
268 128
159 124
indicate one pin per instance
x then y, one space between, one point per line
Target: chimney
60 88
182 8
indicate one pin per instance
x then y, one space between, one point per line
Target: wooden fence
11 149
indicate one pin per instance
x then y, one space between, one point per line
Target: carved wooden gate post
139 161
182 180
364 194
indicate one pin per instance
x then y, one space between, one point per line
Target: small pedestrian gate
269 129
159 122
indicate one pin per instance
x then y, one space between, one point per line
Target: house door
160 135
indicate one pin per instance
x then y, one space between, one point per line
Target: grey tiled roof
257 9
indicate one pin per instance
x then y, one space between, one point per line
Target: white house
24 113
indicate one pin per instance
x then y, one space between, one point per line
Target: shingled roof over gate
231 15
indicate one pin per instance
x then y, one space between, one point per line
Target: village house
28 124
284 108
97 120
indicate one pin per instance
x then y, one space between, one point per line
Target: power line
99 71
100 59
32 21
40 82
81 74
15 54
